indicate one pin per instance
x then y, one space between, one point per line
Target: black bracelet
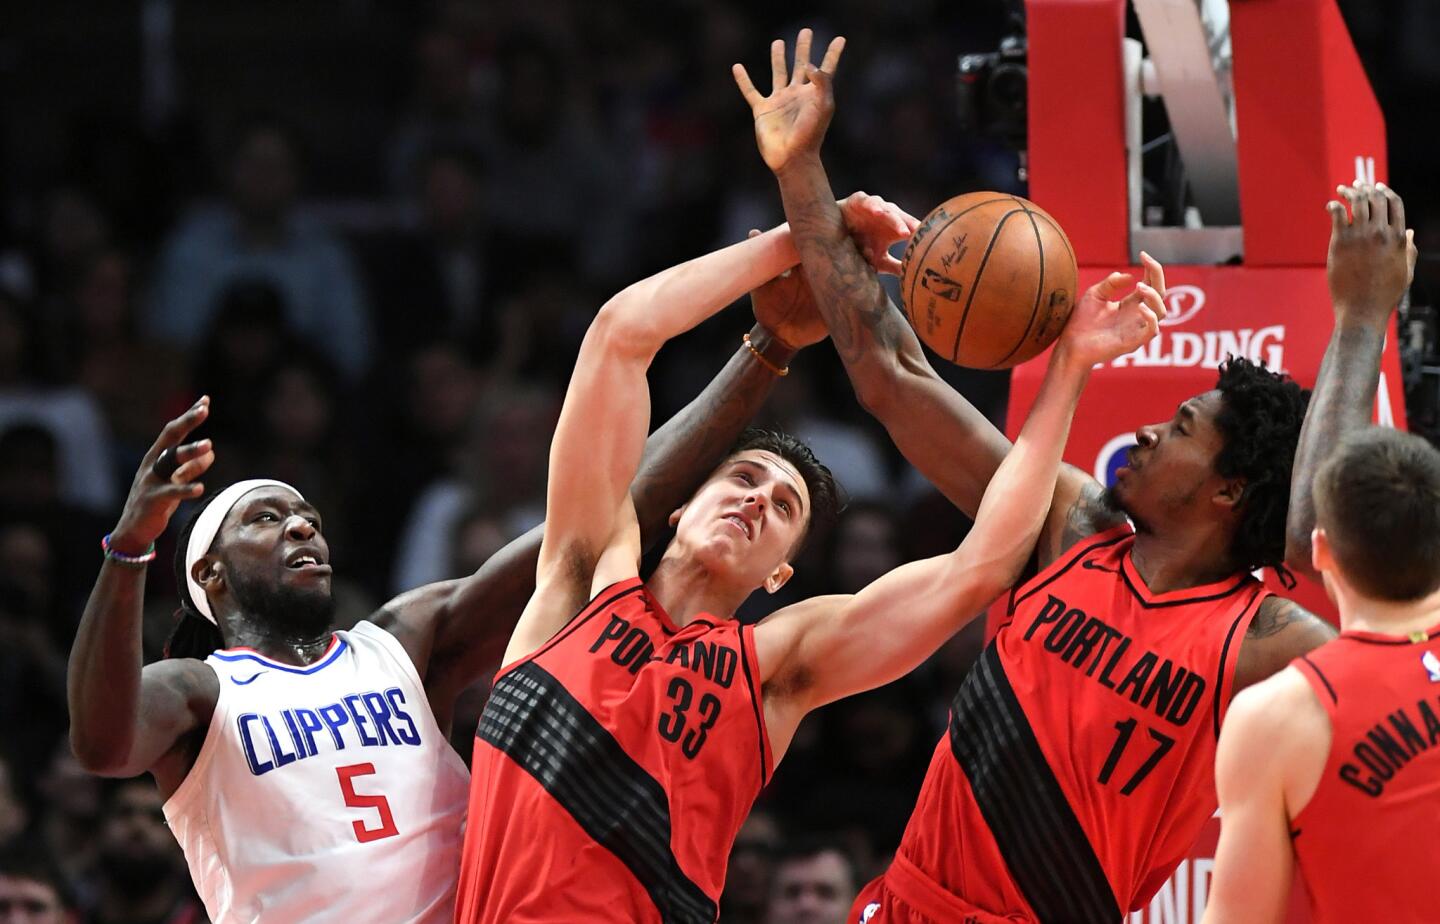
764 360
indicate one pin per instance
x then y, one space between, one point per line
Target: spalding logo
1182 303
1111 457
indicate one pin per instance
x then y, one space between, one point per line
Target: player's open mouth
306 561
741 524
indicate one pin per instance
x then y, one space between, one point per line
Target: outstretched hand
791 121
154 495
1372 255
1116 315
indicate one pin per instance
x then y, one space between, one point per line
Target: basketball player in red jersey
1334 763
267 808
1078 768
635 722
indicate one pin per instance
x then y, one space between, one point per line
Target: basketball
988 280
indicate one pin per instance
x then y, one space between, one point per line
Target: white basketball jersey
323 793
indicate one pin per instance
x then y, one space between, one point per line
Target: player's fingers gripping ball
989 280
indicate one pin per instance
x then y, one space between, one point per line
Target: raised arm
831 647
455 630
1370 264
125 717
940 433
950 442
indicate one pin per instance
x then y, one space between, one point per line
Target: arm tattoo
859 314
1091 513
1277 614
1273 616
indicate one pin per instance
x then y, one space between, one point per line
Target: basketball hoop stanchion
1305 121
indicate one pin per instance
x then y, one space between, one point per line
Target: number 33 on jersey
596 743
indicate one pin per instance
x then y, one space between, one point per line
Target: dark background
470 181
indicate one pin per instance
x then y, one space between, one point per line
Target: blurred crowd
384 304
375 234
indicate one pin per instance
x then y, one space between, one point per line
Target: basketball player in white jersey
293 757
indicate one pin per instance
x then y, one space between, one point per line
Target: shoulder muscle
177 698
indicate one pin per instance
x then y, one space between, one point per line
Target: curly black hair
1260 417
826 498
194 636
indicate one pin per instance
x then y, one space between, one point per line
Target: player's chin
725 557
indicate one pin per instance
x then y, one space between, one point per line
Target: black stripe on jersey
1323 679
1043 843
1221 674
535 721
1080 551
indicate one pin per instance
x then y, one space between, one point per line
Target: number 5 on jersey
355 800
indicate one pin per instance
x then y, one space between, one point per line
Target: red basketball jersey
1365 841
613 768
1078 767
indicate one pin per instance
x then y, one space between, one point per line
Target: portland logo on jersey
1145 678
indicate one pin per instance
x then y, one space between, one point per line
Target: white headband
207 524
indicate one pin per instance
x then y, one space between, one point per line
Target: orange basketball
989 280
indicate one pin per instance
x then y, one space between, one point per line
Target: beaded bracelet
778 370
143 558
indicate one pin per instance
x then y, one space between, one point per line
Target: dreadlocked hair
194 636
1260 417
826 498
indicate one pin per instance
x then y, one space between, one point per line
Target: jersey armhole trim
748 653
1326 699
607 596
1226 673
1312 673
180 800
367 629
1073 556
